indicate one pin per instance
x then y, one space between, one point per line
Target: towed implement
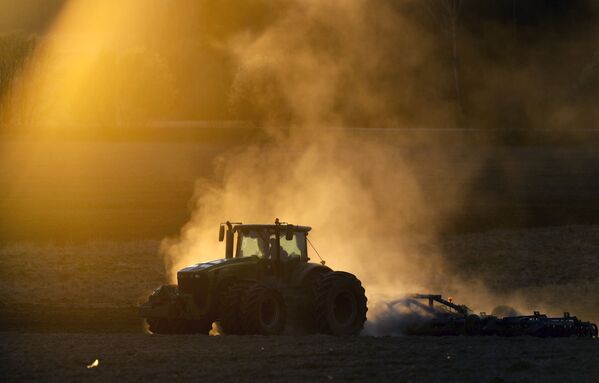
428 314
265 285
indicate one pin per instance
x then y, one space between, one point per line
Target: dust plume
321 77
323 64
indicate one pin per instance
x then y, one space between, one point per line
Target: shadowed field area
60 357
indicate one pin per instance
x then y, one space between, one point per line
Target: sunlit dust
93 70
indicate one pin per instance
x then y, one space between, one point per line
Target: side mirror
289 233
221 233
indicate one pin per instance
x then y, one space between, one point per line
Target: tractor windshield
262 244
252 243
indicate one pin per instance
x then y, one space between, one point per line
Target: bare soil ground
549 269
96 274
79 304
139 357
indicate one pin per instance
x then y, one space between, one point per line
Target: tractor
264 285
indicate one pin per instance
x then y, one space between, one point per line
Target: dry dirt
139 357
64 306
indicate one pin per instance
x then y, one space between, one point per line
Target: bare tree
445 14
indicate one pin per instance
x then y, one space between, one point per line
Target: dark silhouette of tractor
264 285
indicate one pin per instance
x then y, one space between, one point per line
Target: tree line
493 65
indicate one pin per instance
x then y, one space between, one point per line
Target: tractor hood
199 280
216 264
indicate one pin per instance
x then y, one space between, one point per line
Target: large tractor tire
340 304
301 309
230 307
263 311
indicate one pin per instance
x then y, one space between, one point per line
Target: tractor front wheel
263 310
230 307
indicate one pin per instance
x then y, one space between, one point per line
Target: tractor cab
280 242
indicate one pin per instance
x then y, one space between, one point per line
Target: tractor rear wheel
230 307
263 310
340 304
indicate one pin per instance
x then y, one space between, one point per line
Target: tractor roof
282 227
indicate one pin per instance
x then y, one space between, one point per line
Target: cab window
293 248
251 243
296 247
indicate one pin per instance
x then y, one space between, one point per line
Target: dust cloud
324 78
322 64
